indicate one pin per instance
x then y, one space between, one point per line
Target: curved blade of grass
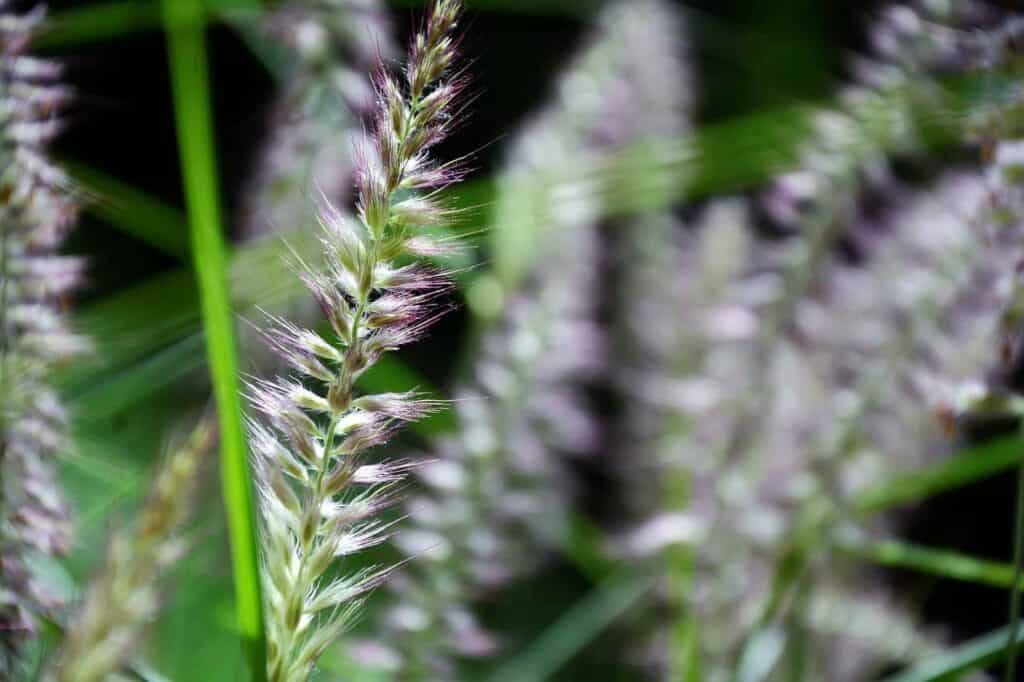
1018 564
189 74
133 385
937 562
576 628
117 18
99 22
970 465
976 654
132 211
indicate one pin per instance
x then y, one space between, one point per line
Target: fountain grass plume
656 102
36 210
851 392
899 101
319 498
849 413
123 598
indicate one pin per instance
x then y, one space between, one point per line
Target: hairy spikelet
122 599
315 128
320 499
498 498
35 212
317 120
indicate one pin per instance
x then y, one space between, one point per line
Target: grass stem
189 74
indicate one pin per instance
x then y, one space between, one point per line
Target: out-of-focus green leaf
648 175
102 21
132 324
937 562
976 654
132 211
134 384
971 464
584 547
117 18
557 645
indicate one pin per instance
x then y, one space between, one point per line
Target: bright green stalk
188 62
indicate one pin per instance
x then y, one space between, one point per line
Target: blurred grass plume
37 208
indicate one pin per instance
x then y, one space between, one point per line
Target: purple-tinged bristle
319 429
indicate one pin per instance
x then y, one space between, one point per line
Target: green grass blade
132 211
576 628
95 23
189 74
107 20
583 546
132 325
973 655
118 18
937 562
1018 564
970 465
136 383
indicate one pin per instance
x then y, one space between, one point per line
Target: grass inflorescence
37 208
310 450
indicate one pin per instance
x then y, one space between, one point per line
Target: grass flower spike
886 114
308 450
316 123
36 211
497 503
797 377
123 597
